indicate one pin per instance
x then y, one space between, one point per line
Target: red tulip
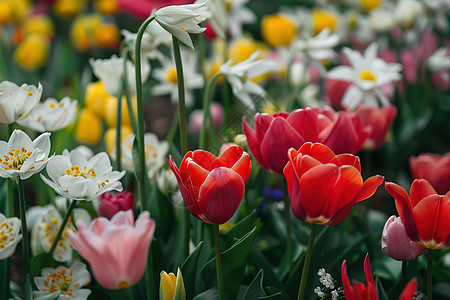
111 203
335 90
324 187
395 242
434 168
379 119
424 213
357 290
275 134
212 187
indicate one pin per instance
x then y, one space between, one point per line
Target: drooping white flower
9 235
239 76
17 102
318 47
51 115
22 157
167 77
367 73
155 153
69 281
73 176
111 71
216 14
180 20
154 35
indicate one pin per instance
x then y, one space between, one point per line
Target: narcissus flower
117 249
357 290
323 186
51 115
22 157
180 20
434 168
212 187
68 281
9 235
424 213
17 102
395 242
73 176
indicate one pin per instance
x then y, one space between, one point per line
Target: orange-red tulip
212 187
324 186
379 119
424 213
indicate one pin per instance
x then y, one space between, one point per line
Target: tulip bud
111 203
171 286
166 181
395 242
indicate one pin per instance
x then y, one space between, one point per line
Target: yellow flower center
59 281
6 233
15 159
367 75
319 221
172 76
51 230
370 4
75 172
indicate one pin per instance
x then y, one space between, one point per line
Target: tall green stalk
63 225
25 240
430 275
140 115
312 236
126 90
206 110
183 133
119 132
218 262
287 220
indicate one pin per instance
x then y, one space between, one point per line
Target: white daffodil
439 61
167 77
356 28
216 14
382 19
239 76
155 153
237 15
180 20
68 281
367 73
9 236
318 47
51 115
22 157
110 72
46 226
17 102
73 176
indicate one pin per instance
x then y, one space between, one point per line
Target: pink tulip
196 118
434 168
379 119
111 203
395 242
142 8
117 249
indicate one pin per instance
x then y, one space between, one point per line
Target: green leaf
180 293
276 294
43 260
255 289
380 289
136 162
28 288
270 278
211 294
233 264
238 231
189 269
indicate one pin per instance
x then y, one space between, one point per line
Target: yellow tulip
278 30
6 12
111 111
95 98
89 127
39 24
107 7
32 51
68 8
110 137
107 35
171 286
242 48
81 32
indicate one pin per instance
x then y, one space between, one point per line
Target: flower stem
119 132
403 281
128 96
206 111
63 225
218 262
23 219
183 133
287 219
312 235
149 274
430 275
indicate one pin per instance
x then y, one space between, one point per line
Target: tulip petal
404 208
409 291
230 156
316 188
243 166
278 139
206 160
303 163
420 189
348 289
262 124
347 159
189 202
253 143
370 283
304 121
319 151
293 182
220 195
369 187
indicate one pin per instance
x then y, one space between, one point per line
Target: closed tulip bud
171 287
395 242
111 203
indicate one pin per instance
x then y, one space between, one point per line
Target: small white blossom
17 102
439 61
318 47
69 281
237 15
319 292
334 295
9 235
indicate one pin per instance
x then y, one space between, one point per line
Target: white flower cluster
328 289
